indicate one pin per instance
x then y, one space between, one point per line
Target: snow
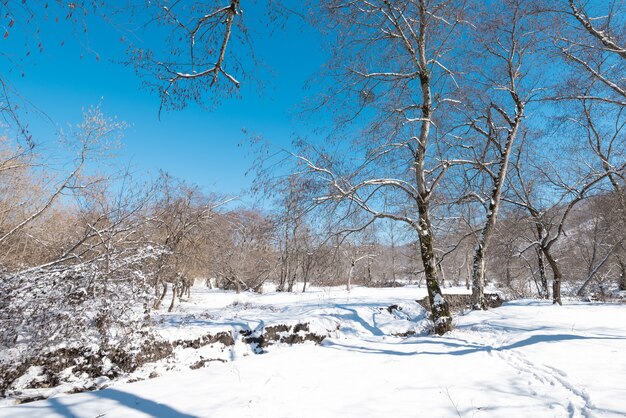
324 309
34 373
527 358
438 299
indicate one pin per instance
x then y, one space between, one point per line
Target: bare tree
245 255
507 39
550 216
390 63
603 126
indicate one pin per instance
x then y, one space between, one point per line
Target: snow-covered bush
89 317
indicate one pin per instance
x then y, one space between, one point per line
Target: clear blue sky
193 144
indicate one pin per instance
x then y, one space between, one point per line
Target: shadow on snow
128 400
465 348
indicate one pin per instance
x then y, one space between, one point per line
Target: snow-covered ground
527 358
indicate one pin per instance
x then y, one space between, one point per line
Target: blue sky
198 145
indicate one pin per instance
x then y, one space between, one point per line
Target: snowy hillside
527 359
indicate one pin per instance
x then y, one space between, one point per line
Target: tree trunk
393 262
478 271
439 307
157 303
292 281
544 291
156 286
305 279
478 277
283 275
306 269
622 276
442 282
174 289
557 276
350 273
